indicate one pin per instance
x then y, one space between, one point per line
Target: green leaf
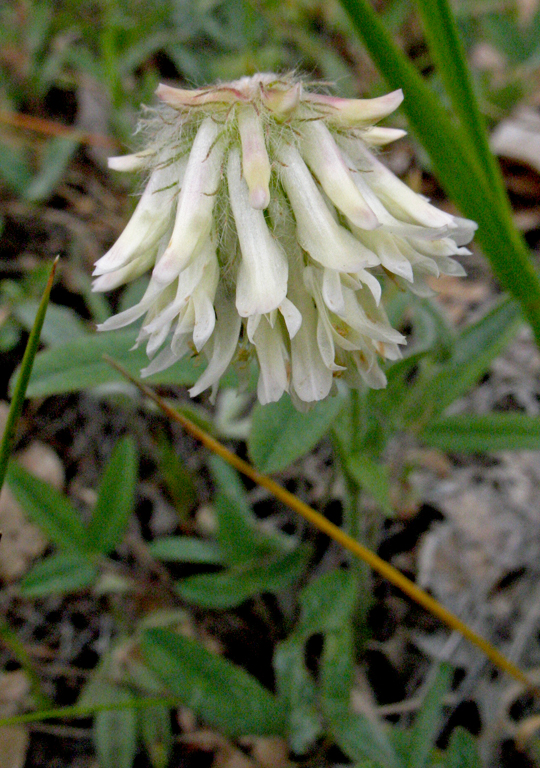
115 732
56 158
462 751
79 364
178 479
114 504
15 168
447 49
234 586
327 603
280 434
337 671
427 722
20 386
185 549
46 507
155 725
224 695
372 477
297 692
58 574
239 534
61 324
484 433
361 737
473 352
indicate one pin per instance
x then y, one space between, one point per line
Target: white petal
205 319
324 158
318 234
272 363
332 291
252 325
387 248
133 313
130 163
150 220
195 203
131 271
372 283
255 162
225 341
373 322
262 275
380 137
292 317
464 231
350 112
396 196
164 360
311 379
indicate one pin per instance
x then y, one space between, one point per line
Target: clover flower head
267 220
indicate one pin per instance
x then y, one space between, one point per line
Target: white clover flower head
267 220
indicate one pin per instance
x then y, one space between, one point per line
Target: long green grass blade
448 53
455 162
21 384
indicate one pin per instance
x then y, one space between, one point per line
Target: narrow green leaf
115 500
79 365
56 158
15 168
218 691
156 730
20 384
472 354
115 733
46 507
362 738
61 324
426 725
484 433
185 549
178 479
232 587
280 434
462 751
372 477
327 603
447 49
337 670
58 575
239 535
298 694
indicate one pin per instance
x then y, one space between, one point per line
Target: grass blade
448 52
455 162
23 378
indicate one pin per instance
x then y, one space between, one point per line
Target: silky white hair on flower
267 223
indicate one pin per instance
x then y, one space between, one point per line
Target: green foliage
220 692
256 561
115 732
81 546
280 434
79 364
115 500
